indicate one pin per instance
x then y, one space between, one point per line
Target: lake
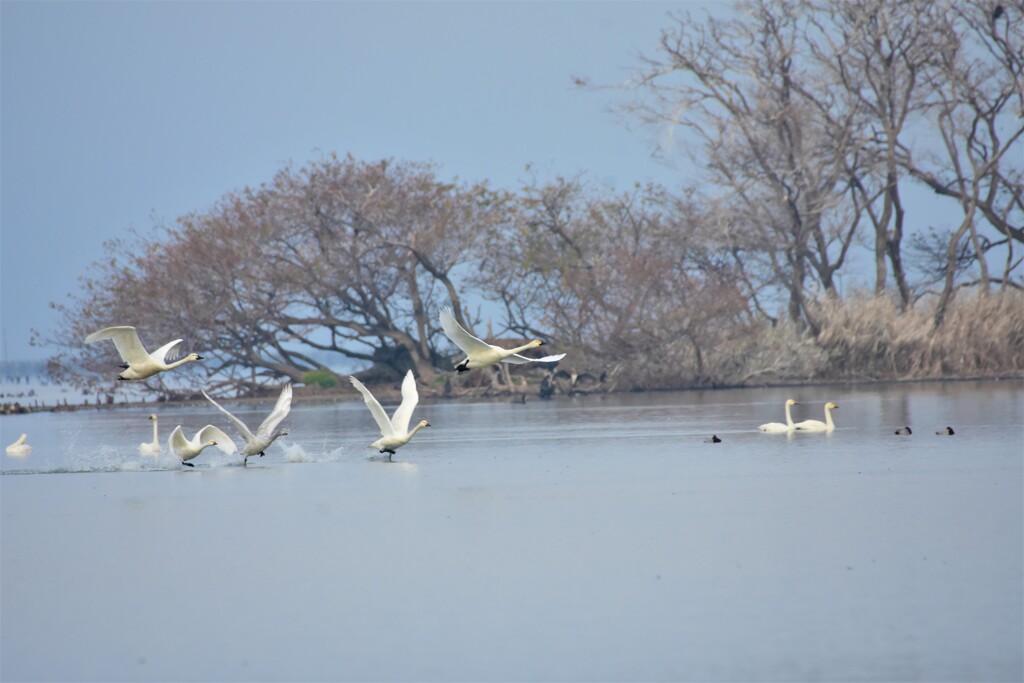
595 538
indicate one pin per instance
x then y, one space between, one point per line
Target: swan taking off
19 447
138 364
394 431
778 427
818 425
260 441
207 436
151 447
480 354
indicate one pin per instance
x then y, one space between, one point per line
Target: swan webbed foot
187 464
124 366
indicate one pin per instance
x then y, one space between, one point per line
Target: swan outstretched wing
519 360
280 411
410 397
126 339
176 441
224 441
160 355
459 336
239 425
378 413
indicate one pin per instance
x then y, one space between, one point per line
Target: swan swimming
394 431
817 425
480 354
19 447
204 438
151 447
138 364
946 431
778 427
260 441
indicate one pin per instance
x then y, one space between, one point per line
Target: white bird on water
480 354
207 436
256 444
151 447
778 427
394 431
138 363
817 425
19 447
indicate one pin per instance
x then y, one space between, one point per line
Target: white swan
151 447
778 427
395 431
817 425
138 364
480 354
260 441
19 447
204 438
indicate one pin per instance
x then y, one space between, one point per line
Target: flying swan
19 447
395 431
138 364
151 447
817 425
778 427
256 444
204 438
480 354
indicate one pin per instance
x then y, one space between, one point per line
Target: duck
778 427
817 425
394 431
138 363
903 431
188 449
480 354
256 444
946 431
151 447
19 448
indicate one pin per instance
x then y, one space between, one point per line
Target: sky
119 116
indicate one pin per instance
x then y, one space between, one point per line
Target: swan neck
789 417
828 418
520 349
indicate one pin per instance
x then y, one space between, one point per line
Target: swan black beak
198 357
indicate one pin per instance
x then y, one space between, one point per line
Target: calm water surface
590 539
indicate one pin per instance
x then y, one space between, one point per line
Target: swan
395 431
714 439
151 447
903 431
946 431
480 354
778 427
260 441
204 438
138 364
817 425
19 447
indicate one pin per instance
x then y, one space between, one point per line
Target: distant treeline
809 123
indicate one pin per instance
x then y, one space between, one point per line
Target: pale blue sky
117 113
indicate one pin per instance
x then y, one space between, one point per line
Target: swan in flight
256 444
778 427
395 431
817 425
480 354
204 438
138 364
151 447
19 447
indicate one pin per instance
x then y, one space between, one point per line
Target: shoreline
385 390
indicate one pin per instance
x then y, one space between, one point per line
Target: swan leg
122 379
245 461
124 366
